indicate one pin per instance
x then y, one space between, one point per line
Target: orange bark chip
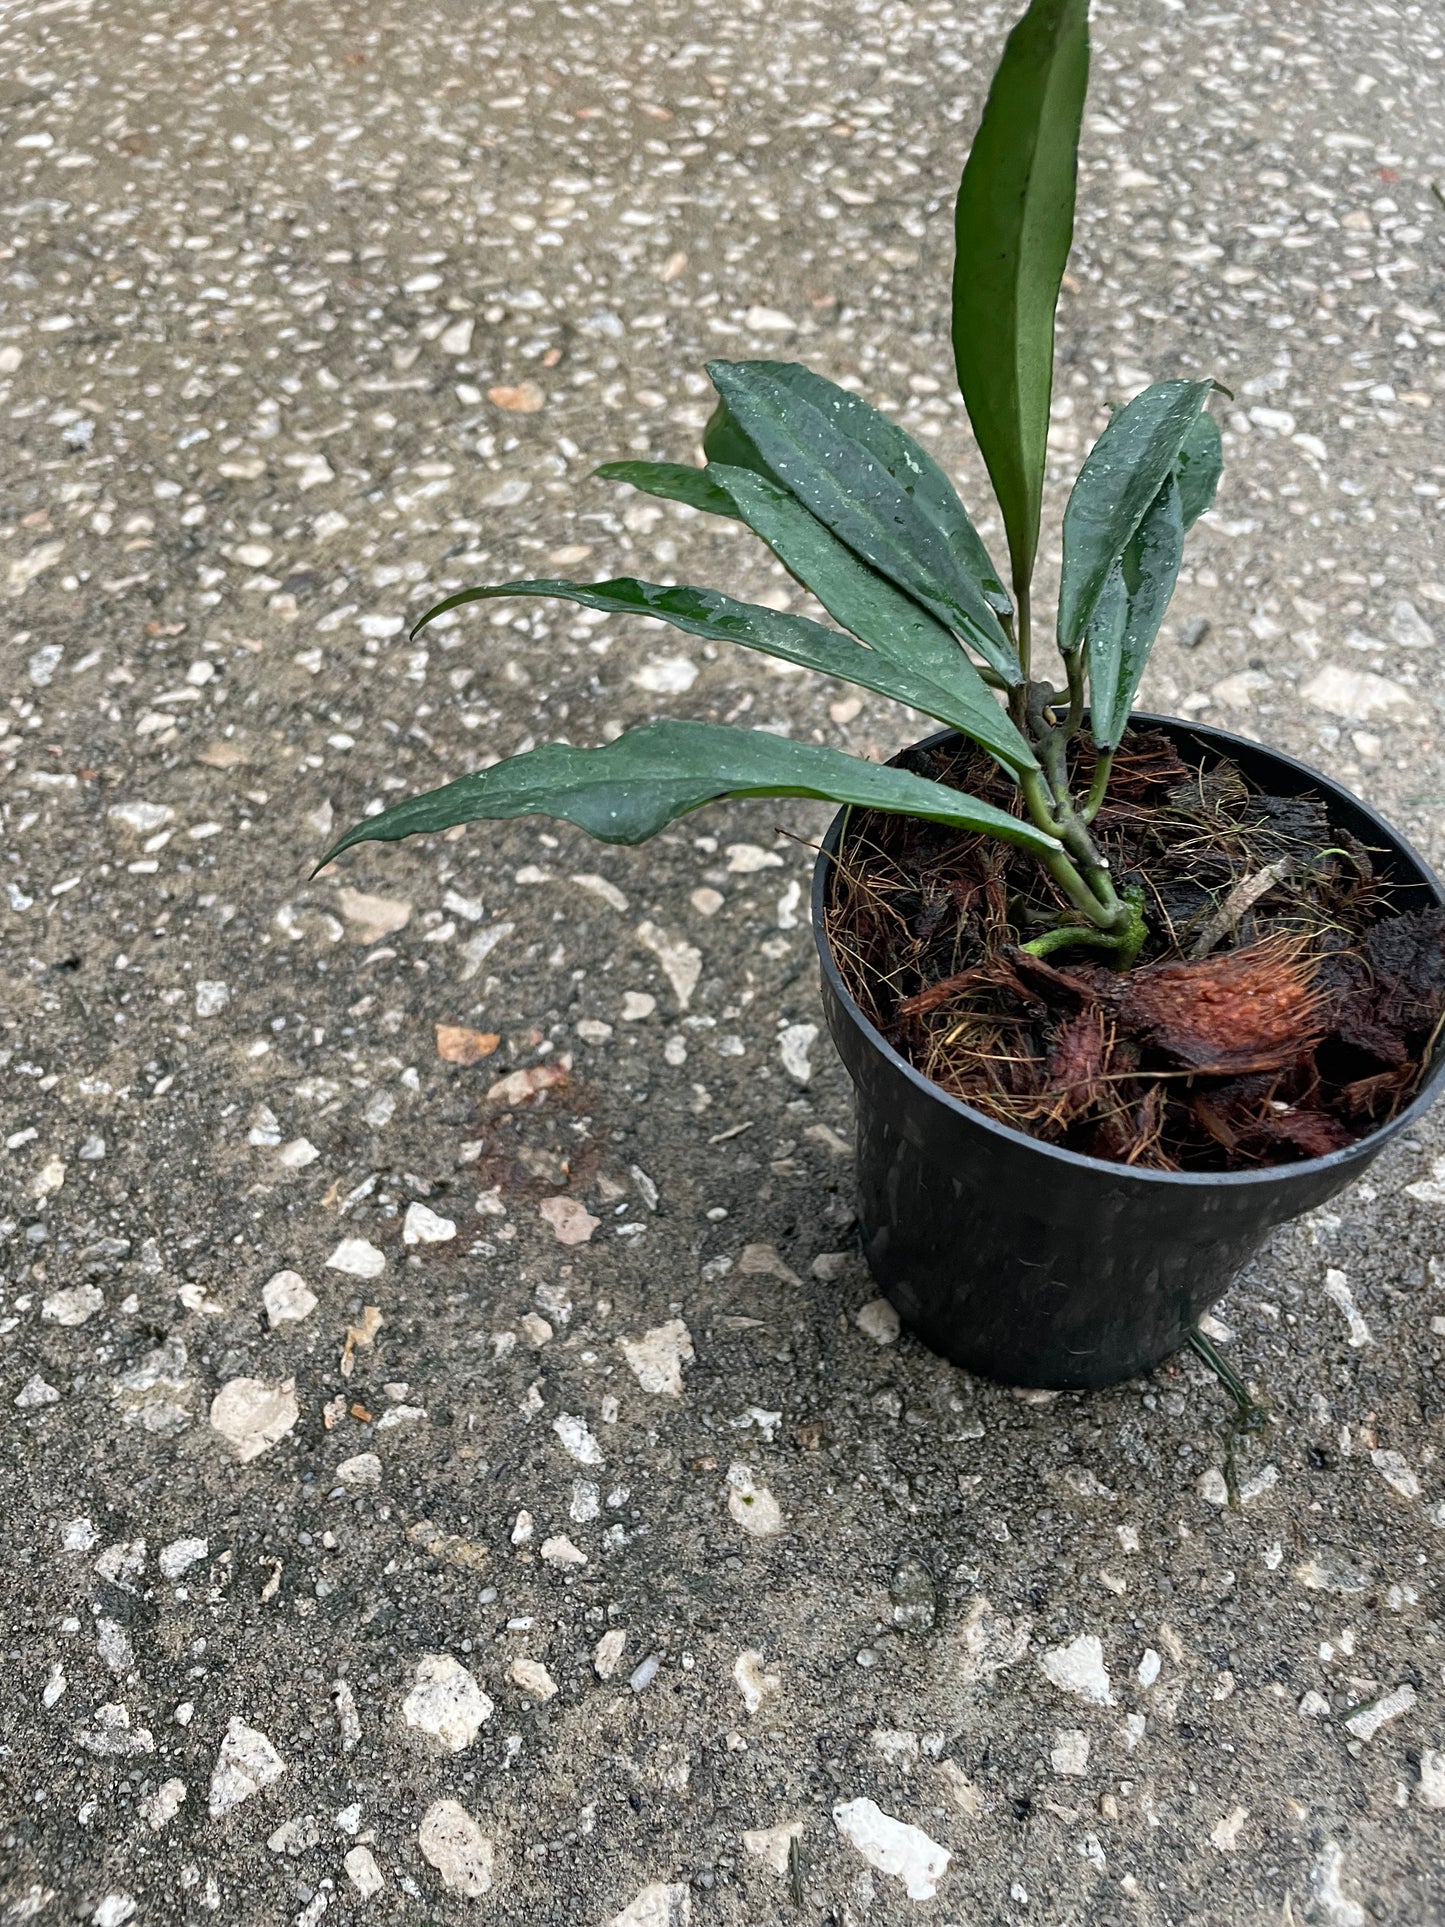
458 1045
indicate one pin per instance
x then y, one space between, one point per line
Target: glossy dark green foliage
871 607
870 525
1201 460
962 700
854 494
1127 615
908 463
1014 224
1121 476
630 789
674 482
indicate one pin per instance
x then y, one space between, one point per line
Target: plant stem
1103 768
1074 664
1025 623
1079 869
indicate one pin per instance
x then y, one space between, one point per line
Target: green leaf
1128 613
674 482
1198 469
910 465
630 789
1123 473
852 493
704 612
871 608
1014 223
723 441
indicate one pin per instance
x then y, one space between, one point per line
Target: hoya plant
867 521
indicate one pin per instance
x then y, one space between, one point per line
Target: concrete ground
444 1491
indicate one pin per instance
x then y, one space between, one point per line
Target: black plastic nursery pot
1034 1265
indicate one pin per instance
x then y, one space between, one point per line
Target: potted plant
1118 994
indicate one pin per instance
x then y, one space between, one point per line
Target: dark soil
1283 1005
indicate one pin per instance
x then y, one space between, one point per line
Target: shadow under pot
1035 1265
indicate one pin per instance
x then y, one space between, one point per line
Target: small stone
560 1551
163 1805
212 998
423 1226
794 1044
252 1415
358 1258
1212 1487
456 338
296 1155
363 1872
571 1222
1224 1835
893 1847
576 1437
372 918
533 1678
879 1321
636 1006
773 1845
455 1845
600 886
1357 694
360 1474
1070 1752
180 1555
756 1686
295 1837
746 859
681 962
1079 1668
607 1653
657 1358
751 1505
113 1645
524 398
1337 1289
764 1261
666 675
1395 1471
446 1702
1431 1791
657 1906
36 1392
123 1561
1367 1721
246 1763
645 1674
915 1599
74 1306
287 1298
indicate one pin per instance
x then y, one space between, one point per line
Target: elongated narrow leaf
1123 473
871 608
1128 613
630 789
1014 224
674 482
851 492
1201 460
704 612
910 465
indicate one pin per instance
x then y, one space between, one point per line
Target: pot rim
1363 1147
